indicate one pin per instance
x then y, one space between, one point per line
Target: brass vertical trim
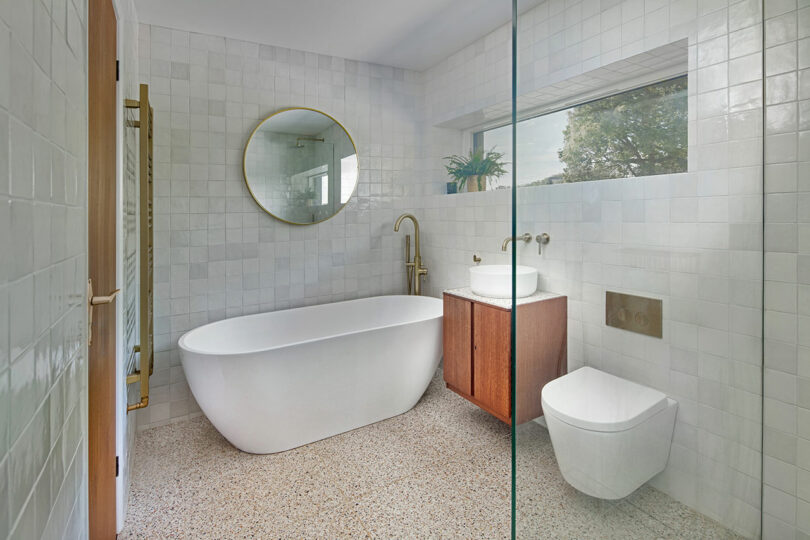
146 347
407 259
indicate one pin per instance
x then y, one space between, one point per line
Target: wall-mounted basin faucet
526 237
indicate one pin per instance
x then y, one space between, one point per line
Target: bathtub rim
181 343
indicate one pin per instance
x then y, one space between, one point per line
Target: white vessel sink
495 280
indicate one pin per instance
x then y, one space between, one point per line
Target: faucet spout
400 219
526 237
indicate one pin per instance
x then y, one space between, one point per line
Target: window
324 189
348 177
641 132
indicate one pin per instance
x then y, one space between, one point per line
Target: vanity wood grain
477 352
457 322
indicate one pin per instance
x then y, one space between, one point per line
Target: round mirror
300 165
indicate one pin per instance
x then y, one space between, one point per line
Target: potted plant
474 170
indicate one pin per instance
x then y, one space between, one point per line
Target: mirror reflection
300 165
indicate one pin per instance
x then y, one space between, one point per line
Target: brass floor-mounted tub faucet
414 269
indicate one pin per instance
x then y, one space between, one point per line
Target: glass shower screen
636 148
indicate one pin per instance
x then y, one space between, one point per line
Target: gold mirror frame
244 163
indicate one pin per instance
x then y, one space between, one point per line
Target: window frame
476 134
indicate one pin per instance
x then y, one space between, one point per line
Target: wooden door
457 331
101 266
491 359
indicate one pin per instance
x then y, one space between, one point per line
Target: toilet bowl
610 435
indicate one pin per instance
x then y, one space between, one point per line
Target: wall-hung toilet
610 435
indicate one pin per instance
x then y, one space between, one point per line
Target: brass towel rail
146 348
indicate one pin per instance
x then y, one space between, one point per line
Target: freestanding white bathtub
274 381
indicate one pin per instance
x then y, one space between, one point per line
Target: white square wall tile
43 98
5 59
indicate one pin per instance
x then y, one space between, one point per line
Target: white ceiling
412 34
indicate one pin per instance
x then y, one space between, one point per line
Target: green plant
478 163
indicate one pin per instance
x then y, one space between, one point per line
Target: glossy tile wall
217 253
692 239
43 231
787 270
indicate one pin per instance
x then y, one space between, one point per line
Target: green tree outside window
638 133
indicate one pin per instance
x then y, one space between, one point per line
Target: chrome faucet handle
541 240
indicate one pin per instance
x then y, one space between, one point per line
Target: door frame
102 90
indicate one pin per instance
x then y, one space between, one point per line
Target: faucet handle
541 240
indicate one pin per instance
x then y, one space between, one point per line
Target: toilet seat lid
591 399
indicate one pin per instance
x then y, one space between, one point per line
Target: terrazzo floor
442 470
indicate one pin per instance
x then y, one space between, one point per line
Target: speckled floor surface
441 470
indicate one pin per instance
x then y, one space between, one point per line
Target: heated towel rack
146 348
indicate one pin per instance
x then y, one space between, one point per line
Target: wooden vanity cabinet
477 359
